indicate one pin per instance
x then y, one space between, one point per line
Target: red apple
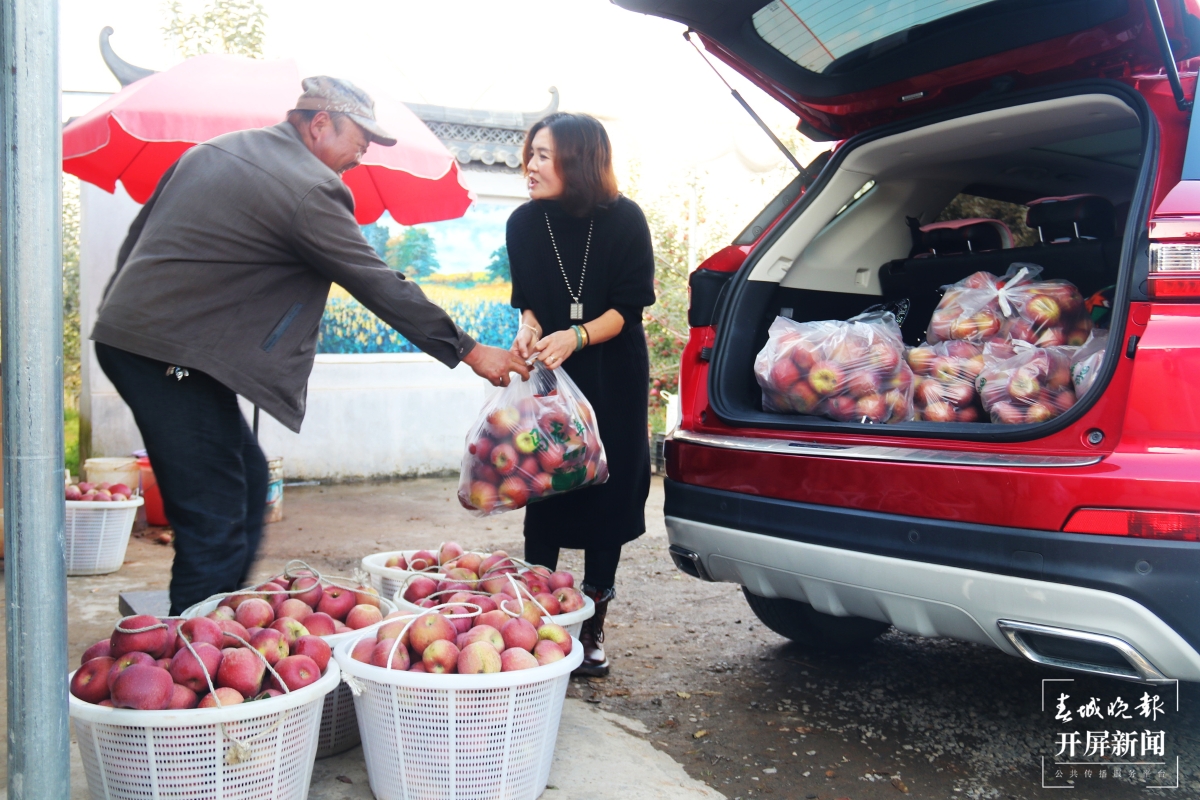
337 602
419 588
382 655
143 687
99 649
440 657
227 696
862 383
872 407
201 630
422 560
561 580
504 459
429 628
363 616
550 457
307 590
154 642
296 609
557 634
271 643
187 671
297 672
90 682
315 648
366 596
481 448
840 407
320 624
228 627
479 658
363 649
569 600
515 658
514 492
484 633
783 373
503 421
290 628
519 633
182 697
221 612
254 613
396 562
243 670
547 652
124 662
548 602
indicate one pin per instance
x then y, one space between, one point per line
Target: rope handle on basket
518 588
239 751
434 610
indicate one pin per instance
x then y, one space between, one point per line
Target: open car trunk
846 246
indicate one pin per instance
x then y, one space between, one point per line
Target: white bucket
155 755
112 470
458 737
96 535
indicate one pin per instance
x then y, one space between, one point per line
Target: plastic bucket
154 504
96 535
155 755
458 737
274 511
112 470
386 580
339 727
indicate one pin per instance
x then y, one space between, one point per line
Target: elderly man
219 290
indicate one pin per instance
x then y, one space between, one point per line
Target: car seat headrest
958 236
1079 216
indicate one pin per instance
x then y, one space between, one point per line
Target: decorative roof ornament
481 139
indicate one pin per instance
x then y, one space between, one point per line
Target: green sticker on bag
564 481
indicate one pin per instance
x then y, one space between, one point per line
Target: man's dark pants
210 470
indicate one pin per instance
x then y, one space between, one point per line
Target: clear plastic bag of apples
850 371
1022 383
982 307
534 439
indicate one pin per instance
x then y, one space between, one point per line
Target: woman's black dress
614 375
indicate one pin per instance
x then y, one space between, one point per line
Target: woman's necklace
576 306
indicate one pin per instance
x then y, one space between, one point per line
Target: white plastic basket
573 621
96 535
339 728
387 580
458 737
155 755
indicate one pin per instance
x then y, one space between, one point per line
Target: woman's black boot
595 663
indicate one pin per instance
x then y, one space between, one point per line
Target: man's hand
495 364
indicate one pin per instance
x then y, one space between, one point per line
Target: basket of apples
501 577
452 706
98 521
850 371
277 614
534 439
1022 383
169 708
390 569
944 381
983 307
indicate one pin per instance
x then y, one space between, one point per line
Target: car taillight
1175 525
1174 271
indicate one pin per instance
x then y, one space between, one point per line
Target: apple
840 407
337 602
440 657
271 643
187 671
547 652
143 687
481 448
419 588
363 616
548 602
514 658
526 441
296 672
397 562
569 599
296 609
825 377
429 628
558 634
862 384
222 612
560 580
290 628
514 492
99 649
124 662
73 493
90 681
200 630
497 560
390 630
243 670
471 561
503 421
422 560
382 655
226 696
315 648
363 650
504 459
1042 311
523 609
802 399
520 633
871 407
1022 385
308 590
1007 413
254 613
783 373
550 457
154 642
182 697
479 658
320 624
967 414
1039 412
485 603
484 633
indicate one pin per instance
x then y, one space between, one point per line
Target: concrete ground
703 700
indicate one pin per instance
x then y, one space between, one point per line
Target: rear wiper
1164 46
804 173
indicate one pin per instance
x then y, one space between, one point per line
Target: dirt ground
739 707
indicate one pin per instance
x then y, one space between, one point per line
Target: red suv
1073 542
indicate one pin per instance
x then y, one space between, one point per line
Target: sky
665 110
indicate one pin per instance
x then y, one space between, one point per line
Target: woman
582 271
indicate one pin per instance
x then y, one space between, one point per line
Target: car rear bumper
936 578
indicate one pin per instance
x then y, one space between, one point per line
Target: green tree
376 236
237 27
498 268
413 253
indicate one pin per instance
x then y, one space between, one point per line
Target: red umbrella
135 135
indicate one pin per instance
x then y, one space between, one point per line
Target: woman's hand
556 348
527 335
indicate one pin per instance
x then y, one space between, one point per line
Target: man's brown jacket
227 268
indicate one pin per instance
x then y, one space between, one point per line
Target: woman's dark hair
583 159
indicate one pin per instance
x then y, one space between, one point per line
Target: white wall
368 416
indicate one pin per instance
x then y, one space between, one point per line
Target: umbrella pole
39 764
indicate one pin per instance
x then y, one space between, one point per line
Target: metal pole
31 282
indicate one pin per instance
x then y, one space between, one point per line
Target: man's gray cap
322 93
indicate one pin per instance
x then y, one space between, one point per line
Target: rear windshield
815 33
